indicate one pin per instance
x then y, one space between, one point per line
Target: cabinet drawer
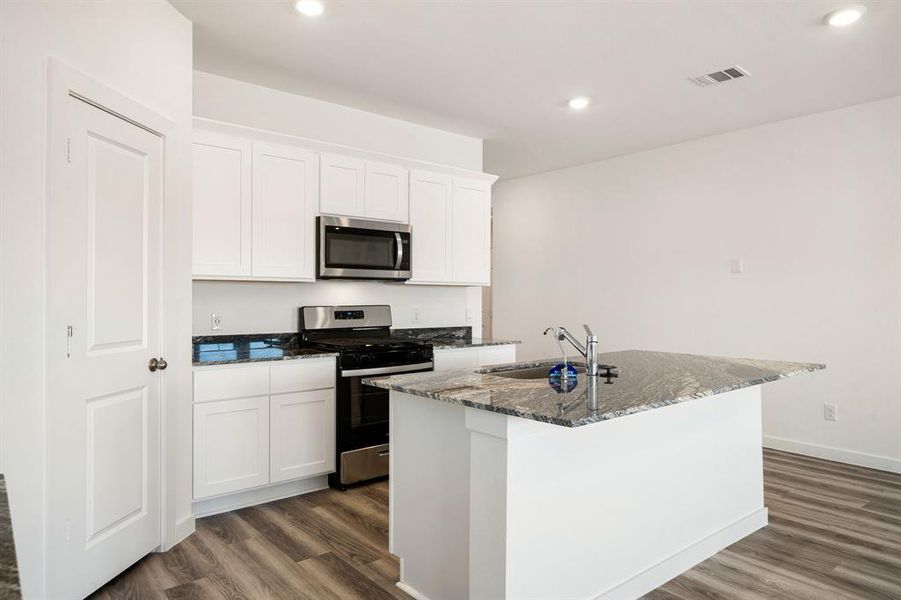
228 383
302 375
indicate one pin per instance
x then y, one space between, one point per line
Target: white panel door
471 231
103 327
231 445
387 192
302 434
430 217
341 187
285 183
222 205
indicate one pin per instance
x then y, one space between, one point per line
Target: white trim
322 146
411 591
183 529
269 493
851 457
683 560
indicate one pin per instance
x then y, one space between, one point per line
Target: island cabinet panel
471 232
431 215
341 191
285 184
302 433
496 355
387 192
231 445
222 205
447 359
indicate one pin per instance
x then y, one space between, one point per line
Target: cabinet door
302 434
222 197
285 180
496 355
341 189
462 358
231 445
430 216
386 192
471 232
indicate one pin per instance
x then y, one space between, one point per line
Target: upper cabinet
451 219
342 185
285 180
222 205
353 187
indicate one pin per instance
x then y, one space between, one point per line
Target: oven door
362 423
358 249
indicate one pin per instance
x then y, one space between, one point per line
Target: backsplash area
255 307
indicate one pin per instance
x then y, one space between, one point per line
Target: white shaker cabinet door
222 206
285 180
341 187
302 434
471 232
387 192
231 445
430 217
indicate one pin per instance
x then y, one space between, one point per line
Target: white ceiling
503 70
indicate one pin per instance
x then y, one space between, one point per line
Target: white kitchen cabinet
222 205
341 188
431 216
285 184
472 358
231 445
471 232
302 434
386 192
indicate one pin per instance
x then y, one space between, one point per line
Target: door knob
157 364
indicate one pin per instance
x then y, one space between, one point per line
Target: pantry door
104 227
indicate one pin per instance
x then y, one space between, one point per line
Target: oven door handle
426 366
400 251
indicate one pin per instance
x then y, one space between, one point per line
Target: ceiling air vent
717 77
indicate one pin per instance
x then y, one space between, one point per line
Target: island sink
655 473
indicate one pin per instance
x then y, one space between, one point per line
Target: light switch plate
830 412
738 265
215 321
415 316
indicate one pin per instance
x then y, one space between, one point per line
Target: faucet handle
588 331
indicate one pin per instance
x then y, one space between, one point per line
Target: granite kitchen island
504 487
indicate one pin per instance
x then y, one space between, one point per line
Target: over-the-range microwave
360 249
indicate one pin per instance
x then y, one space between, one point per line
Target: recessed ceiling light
310 8
841 17
579 102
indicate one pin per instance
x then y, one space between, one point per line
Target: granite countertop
9 570
234 349
447 338
646 380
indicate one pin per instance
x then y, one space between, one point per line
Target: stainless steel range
362 337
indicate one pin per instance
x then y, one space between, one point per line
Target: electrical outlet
468 317
738 265
415 318
215 321
830 412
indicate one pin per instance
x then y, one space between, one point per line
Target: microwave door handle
400 251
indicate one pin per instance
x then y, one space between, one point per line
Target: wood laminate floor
834 532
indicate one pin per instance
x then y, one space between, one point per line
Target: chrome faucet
589 350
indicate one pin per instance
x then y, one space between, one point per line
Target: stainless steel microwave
359 249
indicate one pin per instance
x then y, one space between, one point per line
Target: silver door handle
157 364
400 251
426 366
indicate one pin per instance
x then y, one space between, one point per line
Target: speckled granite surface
9 570
647 380
444 338
260 347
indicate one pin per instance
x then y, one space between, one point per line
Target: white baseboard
184 528
269 493
676 564
411 591
851 457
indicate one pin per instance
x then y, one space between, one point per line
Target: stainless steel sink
530 372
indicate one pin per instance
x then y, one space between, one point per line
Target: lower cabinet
302 434
473 358
231 445
284 429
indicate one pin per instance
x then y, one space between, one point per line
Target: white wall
143 49
641 246
252 307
